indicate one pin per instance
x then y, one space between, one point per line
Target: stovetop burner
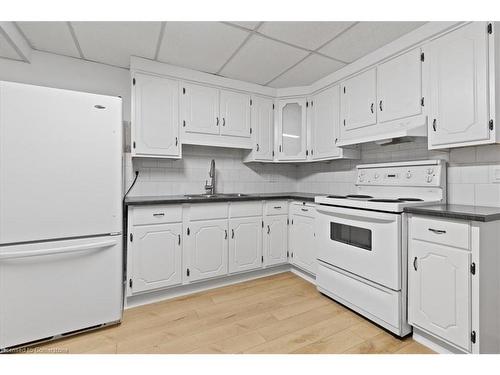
359 196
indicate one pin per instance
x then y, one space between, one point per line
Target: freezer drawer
52 288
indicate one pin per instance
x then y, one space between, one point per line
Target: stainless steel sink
208 196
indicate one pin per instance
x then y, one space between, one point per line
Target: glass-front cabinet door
292 129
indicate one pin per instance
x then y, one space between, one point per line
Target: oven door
365 243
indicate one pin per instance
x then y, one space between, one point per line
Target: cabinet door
207 249
275 240
302 249
156 257
439 285
292 129
263 127
358 100
235 114
155 116
325 124
245 244
399 87
200 109
457 86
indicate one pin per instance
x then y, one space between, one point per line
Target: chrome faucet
210 188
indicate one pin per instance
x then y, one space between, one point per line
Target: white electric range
361 238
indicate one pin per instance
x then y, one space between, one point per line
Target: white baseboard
433 343
161 295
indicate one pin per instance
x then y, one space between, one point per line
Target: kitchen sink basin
208 196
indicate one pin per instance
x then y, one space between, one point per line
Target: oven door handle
363 216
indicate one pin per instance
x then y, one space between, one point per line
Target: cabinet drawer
302 209
245 209
157 214
276 207
446 232
207 211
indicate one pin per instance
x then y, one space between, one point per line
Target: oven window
351 235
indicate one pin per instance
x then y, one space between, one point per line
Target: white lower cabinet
302 238
245 244
275 240
156 256
206 249
439 289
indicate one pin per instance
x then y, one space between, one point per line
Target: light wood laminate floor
277 314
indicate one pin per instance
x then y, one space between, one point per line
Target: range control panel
405 175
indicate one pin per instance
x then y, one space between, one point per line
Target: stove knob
430 171
376 175
408 174
429 178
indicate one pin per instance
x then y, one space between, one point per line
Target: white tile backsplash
471 172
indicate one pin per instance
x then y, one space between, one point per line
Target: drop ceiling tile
310 35
6 49
54 37
114 42
307 71
246 24
204 46
365 37
261 59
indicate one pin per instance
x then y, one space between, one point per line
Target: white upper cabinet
200 109
399 87
324 124
358 101
292 129
263 128
155 116
235 114
457 85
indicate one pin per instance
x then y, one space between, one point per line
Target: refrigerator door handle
58 250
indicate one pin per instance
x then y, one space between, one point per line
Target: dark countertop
177 199
458 211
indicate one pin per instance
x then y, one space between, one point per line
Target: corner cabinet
460 81
292 117
155 117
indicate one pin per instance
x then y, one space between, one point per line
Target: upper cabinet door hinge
473 268
422 101
250 130
133 81
183 91
251 102
273 105
490 28
131 237
344 89
490 125
473 337
307 104
422 57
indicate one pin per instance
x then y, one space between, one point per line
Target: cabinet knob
434 124
371 107
415 263
232 233
258 147
380 105
216 121
223 121
268 230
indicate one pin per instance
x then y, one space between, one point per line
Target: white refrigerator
61 267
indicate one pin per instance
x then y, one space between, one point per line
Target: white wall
188 175
470 171
47 69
